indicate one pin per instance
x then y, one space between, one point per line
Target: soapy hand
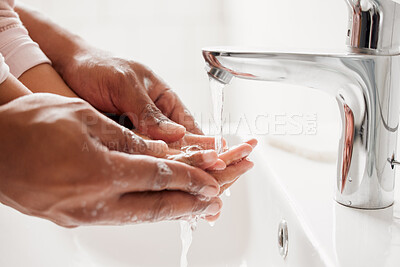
199 151
226 168
120 86
62 160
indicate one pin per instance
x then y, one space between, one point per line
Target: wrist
65 60
12 89
80 57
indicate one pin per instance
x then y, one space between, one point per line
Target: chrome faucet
364 79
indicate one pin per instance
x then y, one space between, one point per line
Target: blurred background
168 37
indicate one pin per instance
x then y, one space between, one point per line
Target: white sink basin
346 237
245 235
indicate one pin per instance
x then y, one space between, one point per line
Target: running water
217 98
187 227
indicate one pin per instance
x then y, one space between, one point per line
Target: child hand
226 168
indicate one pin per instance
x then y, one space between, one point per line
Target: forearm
60 45
39 79
44 79
11 89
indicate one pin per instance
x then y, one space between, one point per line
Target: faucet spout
366 89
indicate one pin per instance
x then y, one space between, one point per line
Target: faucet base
379 207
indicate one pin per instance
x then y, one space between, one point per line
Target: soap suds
147 83
100 205
163 169
120 184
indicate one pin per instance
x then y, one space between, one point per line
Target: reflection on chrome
364 79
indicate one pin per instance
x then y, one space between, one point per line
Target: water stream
217 98
187 227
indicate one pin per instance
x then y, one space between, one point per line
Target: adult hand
111 84
61 160
120 86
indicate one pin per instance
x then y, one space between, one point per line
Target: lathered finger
169 103
212 218
203 142
253 142
161 206
117 138
218 166
138 173
202 159
156 148
236 153
227 185
232 172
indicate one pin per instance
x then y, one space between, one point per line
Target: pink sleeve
18 49
4 70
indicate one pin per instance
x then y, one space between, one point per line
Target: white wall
165 35
285 25
168 36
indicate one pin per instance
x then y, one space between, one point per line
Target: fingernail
168 126
245 154
253 143
210 156
225 143
212 209
209 191
155 147
203 198
219 166
158 143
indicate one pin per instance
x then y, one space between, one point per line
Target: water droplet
349 203
350 179
228 192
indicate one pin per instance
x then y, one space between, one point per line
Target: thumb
150 121
117 138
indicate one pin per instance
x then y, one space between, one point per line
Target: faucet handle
393 162
374 26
